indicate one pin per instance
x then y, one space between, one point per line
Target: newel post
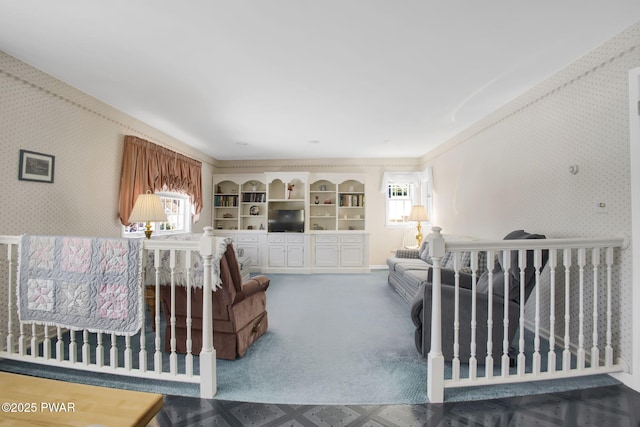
435 359
208 383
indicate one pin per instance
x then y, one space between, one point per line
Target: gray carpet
344 339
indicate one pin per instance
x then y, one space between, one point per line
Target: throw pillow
423 252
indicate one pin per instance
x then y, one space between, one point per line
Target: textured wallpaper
511 169
42 114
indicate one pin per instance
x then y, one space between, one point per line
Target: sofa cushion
403 267
416 277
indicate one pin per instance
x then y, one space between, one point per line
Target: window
405 189
178 210
400 199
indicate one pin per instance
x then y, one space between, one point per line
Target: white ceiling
278 79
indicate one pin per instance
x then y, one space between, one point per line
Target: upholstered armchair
239 312
465 294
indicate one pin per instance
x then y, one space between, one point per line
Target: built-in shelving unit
329 207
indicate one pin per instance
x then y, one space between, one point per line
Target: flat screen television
281 220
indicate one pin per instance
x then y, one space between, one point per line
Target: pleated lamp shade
147 209
418 213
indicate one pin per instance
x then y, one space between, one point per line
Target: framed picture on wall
36 166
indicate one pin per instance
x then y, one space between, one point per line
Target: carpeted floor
332 339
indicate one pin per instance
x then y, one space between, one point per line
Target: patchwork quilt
81 283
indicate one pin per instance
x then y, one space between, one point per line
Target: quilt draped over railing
81 283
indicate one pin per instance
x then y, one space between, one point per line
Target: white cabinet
340 252
295 256
277 255
326 251
286 251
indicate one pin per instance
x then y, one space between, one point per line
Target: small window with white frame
178 209
400 198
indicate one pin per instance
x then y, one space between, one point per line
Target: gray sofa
409 269
410 278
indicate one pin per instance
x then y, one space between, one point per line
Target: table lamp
148 208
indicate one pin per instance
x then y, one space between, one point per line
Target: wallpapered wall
42 114
511 170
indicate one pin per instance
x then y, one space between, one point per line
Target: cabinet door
326 256
277 256
295 256
352 256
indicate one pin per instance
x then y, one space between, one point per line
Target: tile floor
615 405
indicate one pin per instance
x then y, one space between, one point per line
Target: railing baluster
10 299
46 345
551 356
173 357
488 363
128 354
34 341
608 358
595 351
113 353
566 353
537 264
99 350
522 263
582 261
473 361
59 345
506 362
142 353
189 321
455 363
157 356
85 347
73 347
22 340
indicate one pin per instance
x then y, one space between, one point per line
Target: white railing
573 268
108 353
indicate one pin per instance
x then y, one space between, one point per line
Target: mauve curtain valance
147 166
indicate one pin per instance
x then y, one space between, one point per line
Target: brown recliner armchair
239 312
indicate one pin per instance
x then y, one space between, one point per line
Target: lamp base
148 230
419 235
